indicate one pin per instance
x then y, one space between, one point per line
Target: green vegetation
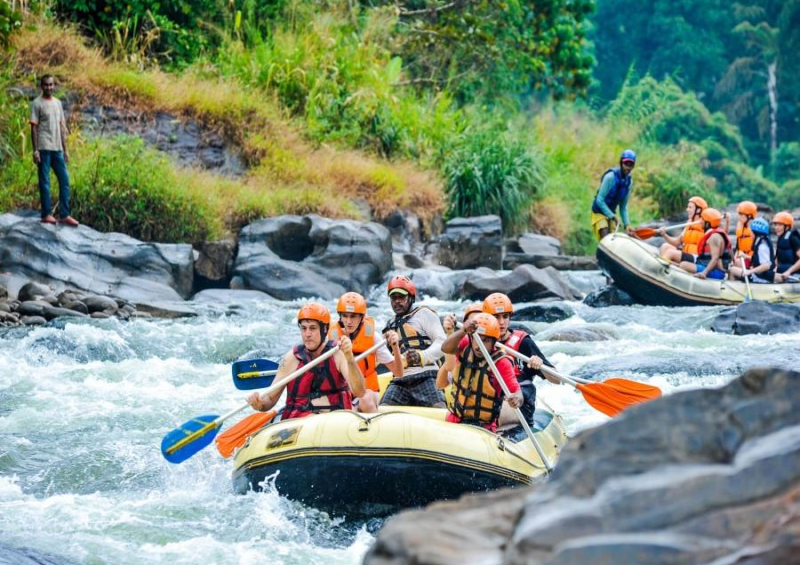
460 108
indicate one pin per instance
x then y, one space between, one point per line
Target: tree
480 47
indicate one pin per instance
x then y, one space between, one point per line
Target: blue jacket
614 191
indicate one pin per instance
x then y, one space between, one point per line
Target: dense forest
471 106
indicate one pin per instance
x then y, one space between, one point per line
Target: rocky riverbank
706 476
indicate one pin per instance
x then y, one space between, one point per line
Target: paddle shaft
545 369
746 280
517 411
683 225
275 386
359 357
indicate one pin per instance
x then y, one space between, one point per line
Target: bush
490 173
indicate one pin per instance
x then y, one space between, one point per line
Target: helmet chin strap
321 341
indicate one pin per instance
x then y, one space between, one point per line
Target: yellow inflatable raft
638 270
365 465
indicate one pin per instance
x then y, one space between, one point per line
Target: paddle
253 373
517 411
235 436
630 388
601 397
183 442
749 296
647 233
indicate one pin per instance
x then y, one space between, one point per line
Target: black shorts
416 390
688 257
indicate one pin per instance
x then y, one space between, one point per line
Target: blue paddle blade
186 440
247 374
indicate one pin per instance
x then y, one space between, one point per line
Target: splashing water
84 405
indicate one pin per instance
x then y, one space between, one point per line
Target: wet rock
291 257
226 296
758 318
412 261
100 315
543 313
100 263
77 306
5 307
31 290
445 285
168 310
574 335
52 312
26 556
406 229
214 263
535 244
524 284
32 320
32 308
97 303
467 243
558 262
609 295
700 476
68 296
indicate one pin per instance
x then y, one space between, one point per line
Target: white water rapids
84 405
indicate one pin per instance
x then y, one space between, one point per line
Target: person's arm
623 207
605 187
263 402
506 370
346 363
62 123
672 240
450 345
432 327
716 244
795 241
389 355
763 259
35 133
529 348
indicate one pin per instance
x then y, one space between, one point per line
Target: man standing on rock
421 336
49 138
615 189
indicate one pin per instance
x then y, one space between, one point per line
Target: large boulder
535 244
701 476
548 313
467 243
100 263
292 257
559 262
213 263
445 285
609 295
526 283
758 318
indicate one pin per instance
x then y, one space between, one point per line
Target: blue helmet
628 155
760 226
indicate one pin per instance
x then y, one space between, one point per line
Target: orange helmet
314 311
747 208
403 285
498 303
784 218
699 201
487 325
471 309
352 303
712 216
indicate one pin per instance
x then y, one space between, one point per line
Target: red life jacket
514 341
703 255
322 380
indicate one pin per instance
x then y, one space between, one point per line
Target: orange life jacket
745 239
691 237
365 338
474 398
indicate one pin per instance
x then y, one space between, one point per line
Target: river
84 405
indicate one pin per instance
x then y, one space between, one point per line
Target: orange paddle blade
606 399
645 233
634 389
235 436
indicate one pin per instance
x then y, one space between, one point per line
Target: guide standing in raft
615 189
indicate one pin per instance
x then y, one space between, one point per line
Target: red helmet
352 303
314 311
498 303
487 325
403 285
471 309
